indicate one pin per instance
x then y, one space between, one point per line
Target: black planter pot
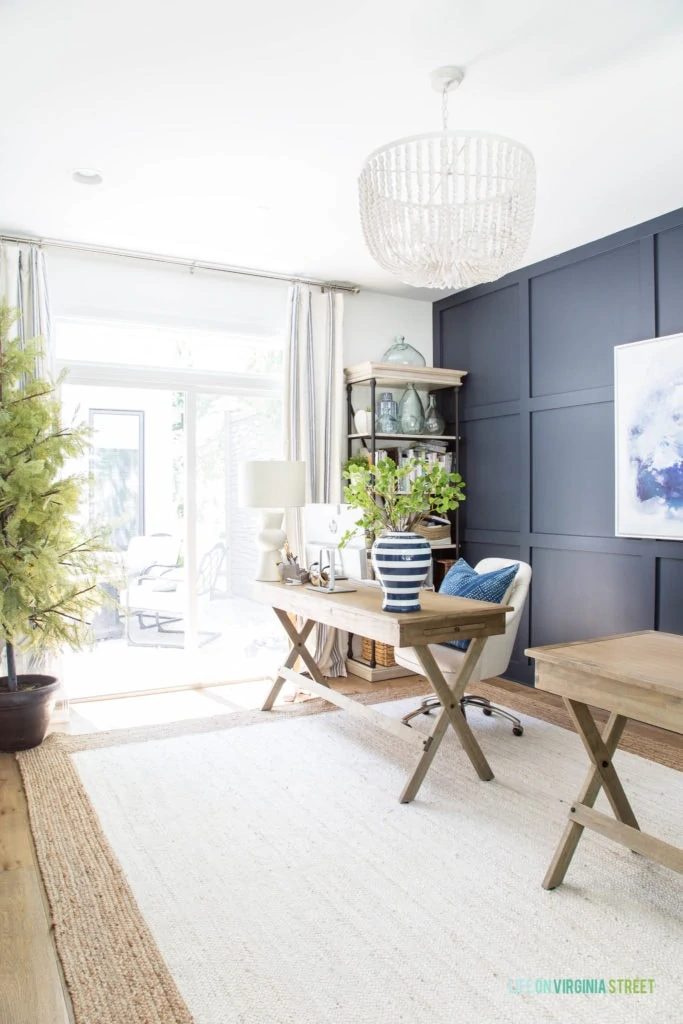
25 714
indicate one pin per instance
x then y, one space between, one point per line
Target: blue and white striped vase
401 562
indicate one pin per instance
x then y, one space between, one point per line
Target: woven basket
433 532
384 653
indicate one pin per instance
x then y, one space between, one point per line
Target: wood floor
31 985
31 989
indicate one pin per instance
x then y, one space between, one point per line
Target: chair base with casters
430 704
494 658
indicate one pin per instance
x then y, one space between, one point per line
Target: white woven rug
285 884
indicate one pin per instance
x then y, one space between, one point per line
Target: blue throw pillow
462 581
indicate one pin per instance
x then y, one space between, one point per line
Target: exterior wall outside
537 420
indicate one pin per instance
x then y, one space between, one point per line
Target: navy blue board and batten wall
537 422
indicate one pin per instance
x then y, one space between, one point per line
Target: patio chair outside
157 598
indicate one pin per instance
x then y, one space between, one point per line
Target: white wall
372 321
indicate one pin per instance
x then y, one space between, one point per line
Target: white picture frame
648 428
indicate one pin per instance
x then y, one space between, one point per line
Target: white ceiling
236 133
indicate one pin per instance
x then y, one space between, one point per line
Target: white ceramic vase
363 421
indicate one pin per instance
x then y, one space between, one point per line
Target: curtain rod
178 261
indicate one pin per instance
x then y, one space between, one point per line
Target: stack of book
429 454
432 451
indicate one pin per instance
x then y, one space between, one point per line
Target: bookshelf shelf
404 437
388 375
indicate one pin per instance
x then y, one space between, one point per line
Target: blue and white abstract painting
648 400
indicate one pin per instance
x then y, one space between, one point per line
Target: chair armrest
162 566
155 572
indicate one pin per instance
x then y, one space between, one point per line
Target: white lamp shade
267 483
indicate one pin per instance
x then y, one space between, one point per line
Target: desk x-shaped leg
600 749
299 650
623 828
451 713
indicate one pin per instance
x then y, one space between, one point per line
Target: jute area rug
258 869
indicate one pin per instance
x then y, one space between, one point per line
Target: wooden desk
441 618
635 675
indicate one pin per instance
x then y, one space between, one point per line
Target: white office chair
496 653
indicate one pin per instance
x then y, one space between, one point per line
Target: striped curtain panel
23 283
314 416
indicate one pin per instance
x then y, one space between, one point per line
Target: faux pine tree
48 566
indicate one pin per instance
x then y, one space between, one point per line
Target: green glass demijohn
434 421
402 354
411 416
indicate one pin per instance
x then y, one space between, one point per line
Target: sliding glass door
166 443
237 638
135 495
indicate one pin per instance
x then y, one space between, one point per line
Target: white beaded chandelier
448 209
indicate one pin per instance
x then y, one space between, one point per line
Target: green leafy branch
396 498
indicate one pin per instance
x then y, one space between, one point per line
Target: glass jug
434 421
403 354
386 420
411 416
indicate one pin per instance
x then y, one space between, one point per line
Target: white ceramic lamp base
270 540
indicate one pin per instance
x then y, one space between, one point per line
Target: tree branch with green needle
49 565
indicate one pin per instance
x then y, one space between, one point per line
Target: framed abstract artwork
648 405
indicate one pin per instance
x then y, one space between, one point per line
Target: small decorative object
403 354
290 570
411 416
322 574
401 559
448 209
386 421
648 400
434 421
363 420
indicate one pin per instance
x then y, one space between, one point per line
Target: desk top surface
645 667
441 618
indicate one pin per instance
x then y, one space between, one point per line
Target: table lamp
271 486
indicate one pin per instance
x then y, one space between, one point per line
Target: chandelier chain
444 107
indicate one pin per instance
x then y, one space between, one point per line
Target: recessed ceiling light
87 176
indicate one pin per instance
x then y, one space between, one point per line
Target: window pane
239 638
116 467
104 341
